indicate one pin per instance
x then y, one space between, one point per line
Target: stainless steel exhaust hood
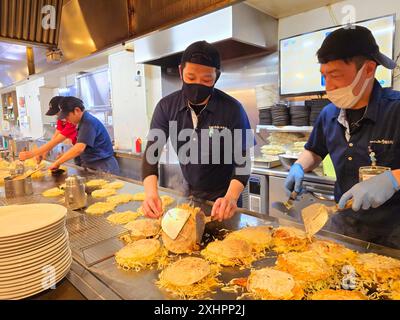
88 26
237 31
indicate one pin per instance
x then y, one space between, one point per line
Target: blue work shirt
379 132
222 112
98 143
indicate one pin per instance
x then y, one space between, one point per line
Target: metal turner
316 216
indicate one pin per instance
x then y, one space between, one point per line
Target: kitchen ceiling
13 67
77 40
22 20
284 8
21 25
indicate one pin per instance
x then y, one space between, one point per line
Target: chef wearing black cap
64 131
93 145
360 130
199 112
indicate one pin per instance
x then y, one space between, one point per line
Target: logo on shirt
381 141
212 129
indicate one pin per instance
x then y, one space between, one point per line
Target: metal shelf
305 129
100 107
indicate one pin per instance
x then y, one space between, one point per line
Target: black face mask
196 93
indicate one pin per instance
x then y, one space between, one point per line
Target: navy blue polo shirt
223 113
379 131
98 143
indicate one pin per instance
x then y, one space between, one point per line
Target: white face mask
344 98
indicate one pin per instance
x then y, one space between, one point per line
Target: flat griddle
94 241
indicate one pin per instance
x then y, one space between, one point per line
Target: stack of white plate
34 249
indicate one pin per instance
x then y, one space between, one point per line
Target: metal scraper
201 221
316 215
285 207
29 173
289 203
173 222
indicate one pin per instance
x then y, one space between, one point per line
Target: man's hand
294 180
54 166
224 208
25 155
152 206
371 193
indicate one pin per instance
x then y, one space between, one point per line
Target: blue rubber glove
294 180
371 193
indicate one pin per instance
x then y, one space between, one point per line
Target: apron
109 165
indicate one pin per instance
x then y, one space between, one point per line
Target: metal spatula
175 219
289 203
173 222
285 207
316 215
28 174
201 221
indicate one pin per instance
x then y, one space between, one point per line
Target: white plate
34 290
19 295
26 268
59 224
32 235
20 271
62 242
34 244
25 250
20 220
36 273
29 264
27 282
30 244
32 293
31 256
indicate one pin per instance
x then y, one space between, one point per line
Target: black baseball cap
68 104
202 52
352 41
54 106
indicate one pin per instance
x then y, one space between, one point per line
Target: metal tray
264 164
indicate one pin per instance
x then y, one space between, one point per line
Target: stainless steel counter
283 173
64 291
94 241
128 154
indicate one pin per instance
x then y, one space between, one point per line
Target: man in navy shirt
193 118
360 128
93 144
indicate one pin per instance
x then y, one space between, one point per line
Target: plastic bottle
138 145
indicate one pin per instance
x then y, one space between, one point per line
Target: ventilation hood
237 31
88 26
